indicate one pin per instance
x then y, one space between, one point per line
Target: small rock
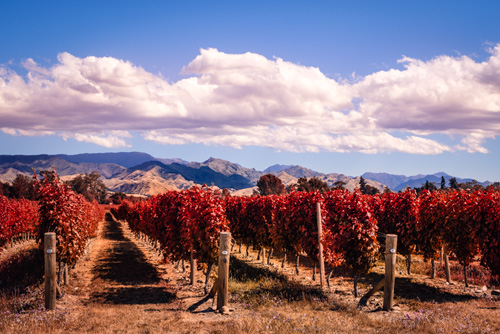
484 288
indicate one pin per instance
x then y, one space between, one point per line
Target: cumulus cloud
246 99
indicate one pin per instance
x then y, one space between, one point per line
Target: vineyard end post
223 279
320 232
391 241
49 242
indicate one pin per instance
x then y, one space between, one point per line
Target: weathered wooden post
193 267
320 233
49 242
391 241
446 264
223 279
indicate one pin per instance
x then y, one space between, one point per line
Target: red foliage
399 216
463 217
431 230
354 230
16 217
180 221
490 231
69 215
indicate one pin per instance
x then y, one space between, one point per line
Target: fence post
320 233
391 241
222 281
446 264
49 242
192 262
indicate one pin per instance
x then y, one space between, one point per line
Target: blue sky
404 87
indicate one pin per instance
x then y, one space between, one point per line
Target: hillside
142 174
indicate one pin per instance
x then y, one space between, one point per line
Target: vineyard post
320 232
50 270
222 284
193 266
446 264
391 241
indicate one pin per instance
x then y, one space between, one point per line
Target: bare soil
121 285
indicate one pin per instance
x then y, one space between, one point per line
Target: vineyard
185 226
188 223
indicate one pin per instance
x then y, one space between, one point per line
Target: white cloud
246 99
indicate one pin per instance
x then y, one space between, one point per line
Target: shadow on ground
124 264
408 289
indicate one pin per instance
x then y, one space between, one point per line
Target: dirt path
119 286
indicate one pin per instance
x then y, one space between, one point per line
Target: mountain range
142 174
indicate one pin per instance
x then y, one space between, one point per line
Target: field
120 285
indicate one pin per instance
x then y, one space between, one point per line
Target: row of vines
57 209
189 222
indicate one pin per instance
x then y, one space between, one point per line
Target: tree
370 190
22 187
443 183
453 183
339 185
312 184
362 185
89 186
118 198
270 185
5 189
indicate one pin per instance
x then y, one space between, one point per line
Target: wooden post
320 233
50 270
222 284
66 274
446 264
193 267
391 241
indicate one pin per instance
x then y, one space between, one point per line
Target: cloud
246 99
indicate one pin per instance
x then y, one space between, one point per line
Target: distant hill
125 159
400 182
276 168
141 173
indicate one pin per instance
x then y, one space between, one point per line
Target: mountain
276 168
201 175
228 168
125 159
141 173
9 167
390 180
298 172
400 182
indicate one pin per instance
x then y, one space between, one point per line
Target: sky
403 87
